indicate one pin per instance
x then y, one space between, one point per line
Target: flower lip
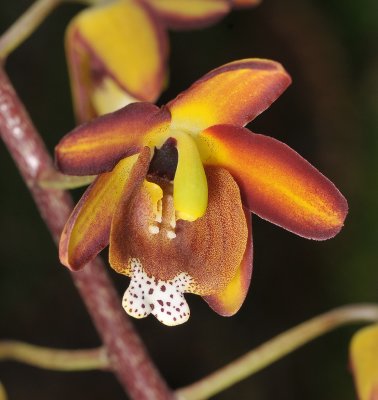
209 249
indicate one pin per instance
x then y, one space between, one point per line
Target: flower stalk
25 25
54 359
276 348
128 358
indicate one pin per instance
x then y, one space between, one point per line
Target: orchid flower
364 361
117 51
176 185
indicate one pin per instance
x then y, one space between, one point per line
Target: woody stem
128 358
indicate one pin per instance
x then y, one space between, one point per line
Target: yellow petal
121 41
364 359
87 230
276 183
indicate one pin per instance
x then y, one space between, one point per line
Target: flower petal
209 250
122 40
232 94
95 147
87 230
364 360
276 182
187 14
228 301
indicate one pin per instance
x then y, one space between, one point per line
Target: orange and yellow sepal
235 93
364 362
278 185
97 146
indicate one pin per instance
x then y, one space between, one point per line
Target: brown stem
129 360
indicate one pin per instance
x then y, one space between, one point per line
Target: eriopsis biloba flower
176 186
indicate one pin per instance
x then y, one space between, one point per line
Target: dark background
328 115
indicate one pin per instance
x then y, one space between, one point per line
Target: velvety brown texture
228 301
209 249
